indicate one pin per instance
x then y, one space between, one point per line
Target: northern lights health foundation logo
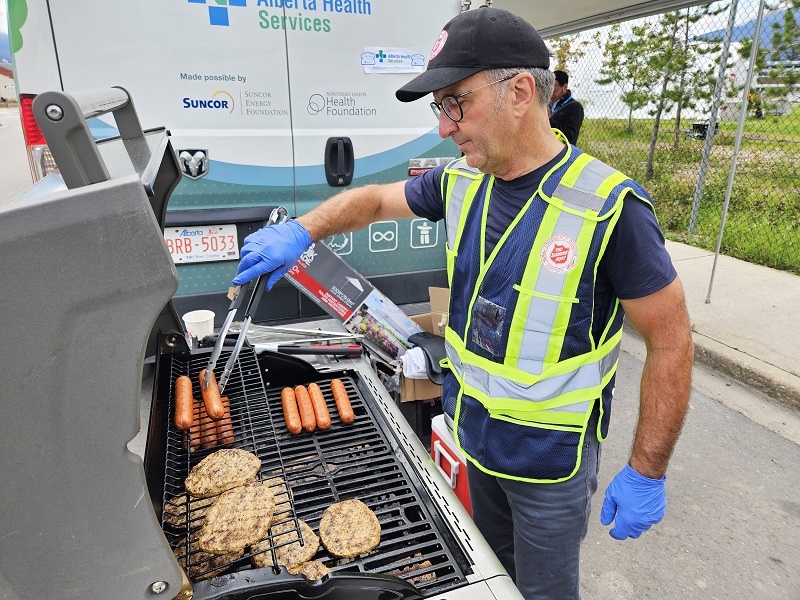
218 9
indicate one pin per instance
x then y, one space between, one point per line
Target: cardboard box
440 304
432 322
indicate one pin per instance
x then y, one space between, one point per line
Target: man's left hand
634 502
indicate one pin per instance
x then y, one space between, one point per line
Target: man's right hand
272 249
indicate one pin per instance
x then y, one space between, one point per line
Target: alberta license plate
202 243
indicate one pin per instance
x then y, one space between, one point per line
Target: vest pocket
487 324
516 449
535 320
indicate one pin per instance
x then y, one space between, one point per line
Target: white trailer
269 102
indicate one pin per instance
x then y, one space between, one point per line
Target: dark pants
536 529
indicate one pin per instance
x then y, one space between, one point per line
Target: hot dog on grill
194 431
346 413
306 409
211 397
183 403
208 428
290 412
321 413
225 425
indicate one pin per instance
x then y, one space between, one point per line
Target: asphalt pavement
16 175
732 526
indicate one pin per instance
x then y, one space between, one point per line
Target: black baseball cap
485 38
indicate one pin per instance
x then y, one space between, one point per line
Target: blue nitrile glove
635 502
272 249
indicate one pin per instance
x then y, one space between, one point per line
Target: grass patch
763 222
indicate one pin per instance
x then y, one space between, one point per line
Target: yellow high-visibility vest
527 369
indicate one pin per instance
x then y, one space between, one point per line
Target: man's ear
523 94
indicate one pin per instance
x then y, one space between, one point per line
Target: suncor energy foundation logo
220 100
218 9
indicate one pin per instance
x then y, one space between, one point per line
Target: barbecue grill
84 517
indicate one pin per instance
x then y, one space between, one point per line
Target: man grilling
547 249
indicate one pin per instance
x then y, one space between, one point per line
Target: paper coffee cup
199 323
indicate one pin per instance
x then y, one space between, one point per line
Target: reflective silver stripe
594 173
582 192
580 198
454 205
542 311
580 407
453 357
584 377
461 165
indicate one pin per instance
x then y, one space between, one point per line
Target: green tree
625 65
674 57
566 49
666 61
694 84
783 63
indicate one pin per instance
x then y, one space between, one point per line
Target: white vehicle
269 102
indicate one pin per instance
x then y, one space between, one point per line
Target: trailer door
346 59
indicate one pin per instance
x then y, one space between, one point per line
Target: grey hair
544 81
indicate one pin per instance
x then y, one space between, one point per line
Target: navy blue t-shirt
635 263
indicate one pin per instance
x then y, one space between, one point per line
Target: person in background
547 249
566 113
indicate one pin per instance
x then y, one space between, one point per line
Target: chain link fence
663 98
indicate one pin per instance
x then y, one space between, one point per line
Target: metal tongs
278 215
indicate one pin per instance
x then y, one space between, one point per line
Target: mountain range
745 30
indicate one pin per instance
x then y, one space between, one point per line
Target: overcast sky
3 18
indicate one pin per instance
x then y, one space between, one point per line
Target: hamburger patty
203 561
314 570
222 471
349 528
175 509
292 554
238 518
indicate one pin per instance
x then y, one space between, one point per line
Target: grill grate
252 430
344 462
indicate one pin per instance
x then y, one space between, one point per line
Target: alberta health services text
306 23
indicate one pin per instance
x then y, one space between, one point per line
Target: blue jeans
536 529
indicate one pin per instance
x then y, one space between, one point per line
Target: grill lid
89 276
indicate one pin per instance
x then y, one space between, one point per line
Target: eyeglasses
452 107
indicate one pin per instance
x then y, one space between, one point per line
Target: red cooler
449 460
